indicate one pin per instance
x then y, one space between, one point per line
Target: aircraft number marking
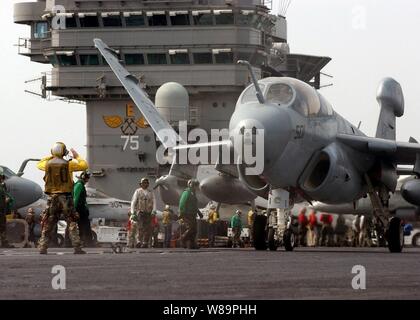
133 141
115 204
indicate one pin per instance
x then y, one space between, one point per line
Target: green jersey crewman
188 209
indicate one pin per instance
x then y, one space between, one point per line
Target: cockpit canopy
292 93
7 172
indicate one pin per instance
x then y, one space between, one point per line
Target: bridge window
67 60
134 59
181 18
203 18
157 19
134 19
247 18
89 59
111 19
203 58
224 17
41 30
53 60
179 57
223 56
71 22
88 20
157 58
248 56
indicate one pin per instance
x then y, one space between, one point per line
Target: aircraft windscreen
307 101
280 93
7 172
250 94
326 108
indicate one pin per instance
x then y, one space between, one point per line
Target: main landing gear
389 228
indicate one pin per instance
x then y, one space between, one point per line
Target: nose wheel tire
259 232
395 235
272 242
289 240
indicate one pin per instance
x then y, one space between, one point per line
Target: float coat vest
57 177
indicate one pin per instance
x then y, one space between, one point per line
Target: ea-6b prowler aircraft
23 191
310 151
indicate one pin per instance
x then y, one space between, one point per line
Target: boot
7 245
79 251
43 251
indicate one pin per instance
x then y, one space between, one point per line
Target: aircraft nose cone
265 130
24 191
32 191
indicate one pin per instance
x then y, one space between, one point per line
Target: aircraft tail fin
391 101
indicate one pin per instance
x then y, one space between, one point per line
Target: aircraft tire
259 232
395 235
272 243
289 240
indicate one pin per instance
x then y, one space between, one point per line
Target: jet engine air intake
320 172
331 178
255 184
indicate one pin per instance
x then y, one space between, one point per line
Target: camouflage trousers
132 235
189 236
59 205
3 236
145 229
236 237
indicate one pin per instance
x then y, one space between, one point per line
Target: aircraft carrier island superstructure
195 43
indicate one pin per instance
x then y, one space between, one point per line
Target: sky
367 41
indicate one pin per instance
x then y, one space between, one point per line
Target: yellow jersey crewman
59 186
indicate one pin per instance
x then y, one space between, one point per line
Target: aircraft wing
404 153
163 130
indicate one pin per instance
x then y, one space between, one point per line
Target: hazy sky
367 40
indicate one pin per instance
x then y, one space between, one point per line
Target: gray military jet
101 206
310 151
22 190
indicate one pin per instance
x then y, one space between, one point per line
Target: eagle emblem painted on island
129 125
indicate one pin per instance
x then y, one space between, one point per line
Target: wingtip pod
390 95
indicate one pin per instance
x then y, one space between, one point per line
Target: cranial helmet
59 150
85 175
193 183
144 180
